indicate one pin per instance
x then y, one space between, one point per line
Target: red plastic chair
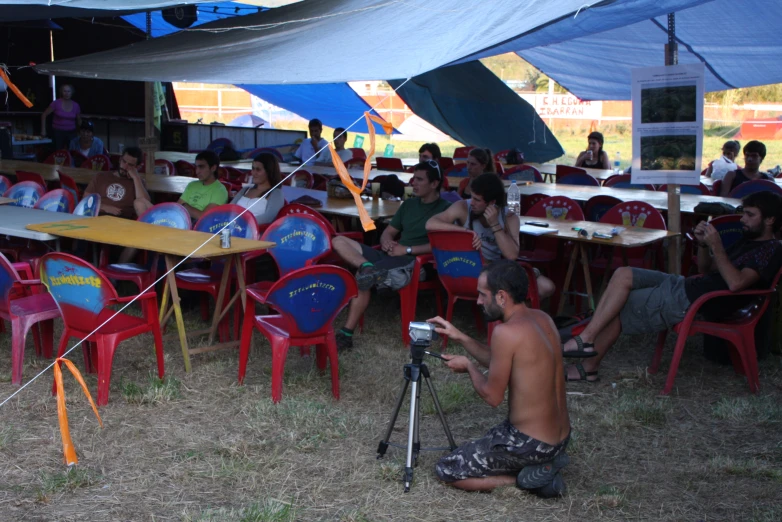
296 208
301 179
24 309
319 182
699 189
408 296
597 206
69 184
445 163
457 171
304 318
77 157
163 167
462 152
185 168
394 164
564 170
523 173
22 175
358 153
57 200
355 163
527 202
716 187
635 214
115 159
578 179
458 266
5 184
233 176
208 280
623 181
738 330
172 215
84 296
98 162
25 193
61 158
755 185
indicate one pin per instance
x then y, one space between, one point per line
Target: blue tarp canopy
208 12
473 106
593 53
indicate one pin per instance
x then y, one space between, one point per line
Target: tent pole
674 201
149 142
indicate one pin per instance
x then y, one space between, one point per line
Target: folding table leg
218 313
587 280
180 322
568 276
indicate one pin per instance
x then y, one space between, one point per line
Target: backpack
514 157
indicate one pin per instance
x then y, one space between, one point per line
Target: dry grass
197 447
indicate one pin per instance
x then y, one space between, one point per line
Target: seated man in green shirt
400 242
207 192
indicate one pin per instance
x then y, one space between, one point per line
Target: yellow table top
628 237
5 201
112 230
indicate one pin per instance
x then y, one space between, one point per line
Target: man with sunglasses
400 242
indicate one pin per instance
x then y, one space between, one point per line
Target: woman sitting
262 201
594 157
480 161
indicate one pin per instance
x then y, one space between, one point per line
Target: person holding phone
594 157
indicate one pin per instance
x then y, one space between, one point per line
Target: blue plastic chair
578 179
88 207
755 185
25 193
57 200
5 184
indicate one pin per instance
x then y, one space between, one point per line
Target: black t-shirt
764 257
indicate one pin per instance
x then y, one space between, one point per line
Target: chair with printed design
185 168
98 162
61 158
755 185
88 207
144 274
301 179
564 170
57 200
25 193
461 153
25 304
458 266
578 179
523 173
22 175
5 184
85 297
624 181
307 301
208 280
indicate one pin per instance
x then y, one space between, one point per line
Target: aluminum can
225 238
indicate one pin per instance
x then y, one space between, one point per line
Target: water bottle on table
617 164
514 198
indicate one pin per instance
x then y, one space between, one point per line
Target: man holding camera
525 358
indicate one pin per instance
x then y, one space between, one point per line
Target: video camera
422 334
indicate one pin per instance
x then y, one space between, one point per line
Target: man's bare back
536 391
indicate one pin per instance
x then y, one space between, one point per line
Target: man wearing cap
86 142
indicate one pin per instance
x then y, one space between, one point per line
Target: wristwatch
409 250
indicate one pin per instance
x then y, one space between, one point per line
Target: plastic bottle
618 164
514 198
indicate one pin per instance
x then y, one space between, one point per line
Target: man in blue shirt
312 150
86 142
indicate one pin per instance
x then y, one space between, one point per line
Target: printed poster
667 124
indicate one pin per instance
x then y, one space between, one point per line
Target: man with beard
122 193
495 232
646 301
528 448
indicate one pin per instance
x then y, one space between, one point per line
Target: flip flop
539 475
583 375
580 352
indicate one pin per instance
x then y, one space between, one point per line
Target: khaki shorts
657 302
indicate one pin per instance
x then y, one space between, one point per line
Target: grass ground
198 447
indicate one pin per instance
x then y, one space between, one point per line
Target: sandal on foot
583 375
539 475
580 352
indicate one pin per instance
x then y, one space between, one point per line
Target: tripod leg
417 426
411 434
439 410
383 446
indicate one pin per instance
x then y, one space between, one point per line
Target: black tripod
412 374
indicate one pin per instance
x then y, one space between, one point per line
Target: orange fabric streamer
62 413
366 221
15 89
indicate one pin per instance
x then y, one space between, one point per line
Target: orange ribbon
366 222
62 413
15 89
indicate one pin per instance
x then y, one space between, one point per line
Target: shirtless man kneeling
525 358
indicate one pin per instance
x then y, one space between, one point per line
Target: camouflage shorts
504 450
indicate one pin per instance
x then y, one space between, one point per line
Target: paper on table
532 230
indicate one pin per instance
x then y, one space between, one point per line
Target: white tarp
323 41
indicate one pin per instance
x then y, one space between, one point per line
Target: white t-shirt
344 155
307 152
720 167
257 209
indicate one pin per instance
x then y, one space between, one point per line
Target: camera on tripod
422 333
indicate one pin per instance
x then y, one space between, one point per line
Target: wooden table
174 244
630 237
657 199
14 221
377 209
